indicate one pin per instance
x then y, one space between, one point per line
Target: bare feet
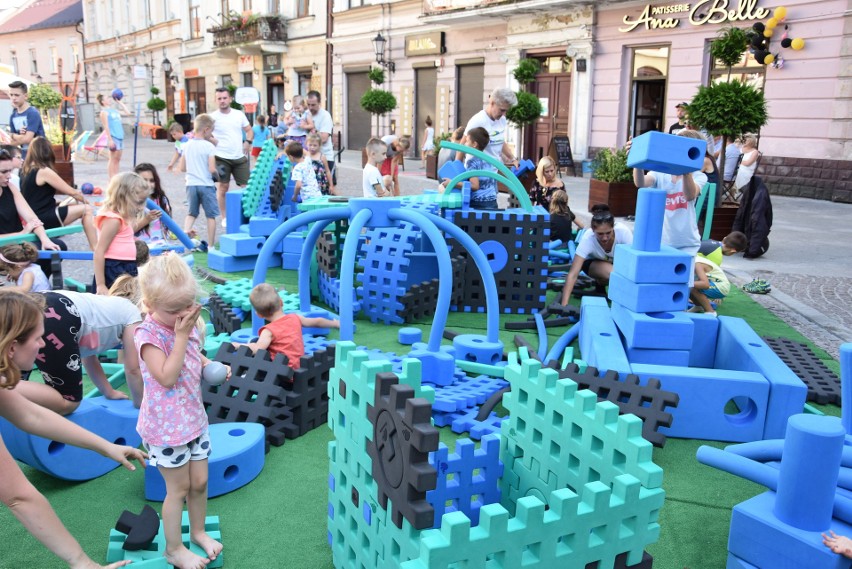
183 558
838 544
210 546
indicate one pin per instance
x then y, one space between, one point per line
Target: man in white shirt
324 126
493 119
232 148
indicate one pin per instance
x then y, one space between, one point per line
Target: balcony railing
264 28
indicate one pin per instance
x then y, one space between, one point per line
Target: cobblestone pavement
808 263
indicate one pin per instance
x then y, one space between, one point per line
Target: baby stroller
754 218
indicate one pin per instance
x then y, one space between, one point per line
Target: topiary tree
44 97
728 108
232 90
529 107
377 101
156 104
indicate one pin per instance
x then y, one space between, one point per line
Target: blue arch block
661 152
237 459
113 420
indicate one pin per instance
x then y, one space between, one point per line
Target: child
176 132
21 321
483 189
143 254
199 163
115 253
17 162
283 334
428 140
149 228
302 173
710 283
394 157
733 243
172 421
261 134
18 263
320 164
299 121
562 218
373 184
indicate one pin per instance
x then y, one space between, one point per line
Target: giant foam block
702 352
647 297
600 343
704 393
220 261
658 357
237 457
666 153
655 330
233 210
113 420
738 347
668 265
760 538
240 244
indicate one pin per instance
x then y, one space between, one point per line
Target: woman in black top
14 209
546 183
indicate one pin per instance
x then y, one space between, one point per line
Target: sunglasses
605 217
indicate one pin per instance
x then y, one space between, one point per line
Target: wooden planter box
619 196
432 166
65 171
723 220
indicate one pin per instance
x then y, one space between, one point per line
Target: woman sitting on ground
562 218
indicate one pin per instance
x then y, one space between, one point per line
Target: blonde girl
115 253
21 330
562 218
299 121
546 183
172 421
320 164
18 263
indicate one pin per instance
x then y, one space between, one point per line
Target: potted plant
378 101
156 104
45 98
612 182
432 158
528 109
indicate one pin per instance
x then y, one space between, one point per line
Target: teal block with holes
668 265
656 330
152 558
647 297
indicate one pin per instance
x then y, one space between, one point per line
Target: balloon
771 22
786 42
87 188
780 13
768 32
760 56
214 373
768 59
797 44
758 27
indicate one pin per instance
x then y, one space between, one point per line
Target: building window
274 6
194 19
15 63
225 80
53 57
75 55
33 62
302 8
649 69
225 9
304 82
748 70
246 78
246 5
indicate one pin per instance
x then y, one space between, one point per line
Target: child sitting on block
711 283
283 334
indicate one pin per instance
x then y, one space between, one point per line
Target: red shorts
385 168
255 150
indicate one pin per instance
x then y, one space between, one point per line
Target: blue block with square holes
668 265
704 394
647 297
240 244
667 153
237 457
655 330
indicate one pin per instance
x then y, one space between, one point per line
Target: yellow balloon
798 44
768 32
771 22
780 13
768 59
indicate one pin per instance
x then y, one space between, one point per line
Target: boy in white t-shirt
199 162
373 183
302 173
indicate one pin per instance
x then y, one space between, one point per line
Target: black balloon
760 56
786 42
758 27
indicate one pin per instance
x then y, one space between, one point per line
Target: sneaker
757 286
224 223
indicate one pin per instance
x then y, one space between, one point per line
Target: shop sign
194 72
667 16
272 63
245 63
425 44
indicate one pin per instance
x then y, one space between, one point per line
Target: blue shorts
713 292
175 457
114 268
485 204
204 195
119 143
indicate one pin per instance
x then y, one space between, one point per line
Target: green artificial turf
279 520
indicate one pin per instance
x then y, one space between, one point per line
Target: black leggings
59 360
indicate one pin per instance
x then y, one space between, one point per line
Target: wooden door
554 89
425 90
358 121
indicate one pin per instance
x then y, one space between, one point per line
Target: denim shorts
485 204
206 197
119 143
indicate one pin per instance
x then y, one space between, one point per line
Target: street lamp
170 89
167 66
379 47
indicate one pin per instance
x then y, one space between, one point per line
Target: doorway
553 86
470 84
196 96
425 87
358 127
647 102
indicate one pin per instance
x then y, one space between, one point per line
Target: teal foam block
219 261
113 420
740 348
655 330
647 297
152 558
240 244
702 352
658 356
668 265
238 455
600 343
704 394
661 152
759 538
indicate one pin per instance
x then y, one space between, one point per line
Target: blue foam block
113 420
219 261
735 562
451 169
657 357
408 336
240 244
740 348
661 152
262 226
704 393
656 330
647 297
759 538
668 265
702 352
600 343
293 242
238 454
291 261
233 211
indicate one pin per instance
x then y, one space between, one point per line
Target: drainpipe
83 42
329 53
